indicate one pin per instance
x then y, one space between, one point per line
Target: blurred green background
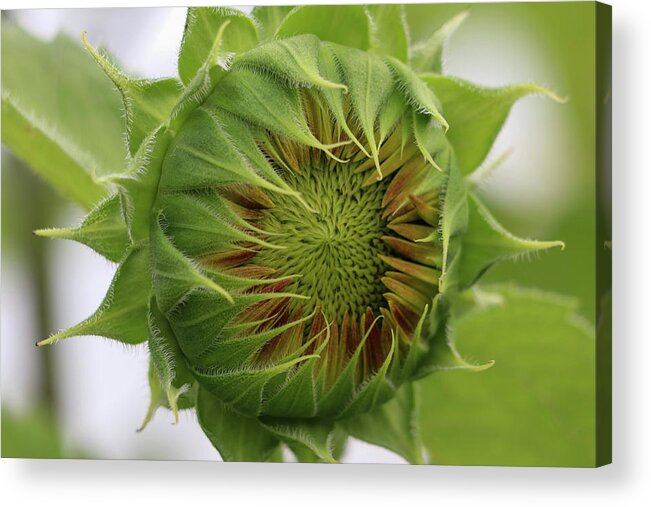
536 405
563 36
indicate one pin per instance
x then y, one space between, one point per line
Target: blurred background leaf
31 435
60 113
535 406
563 37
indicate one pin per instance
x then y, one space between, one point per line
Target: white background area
125 483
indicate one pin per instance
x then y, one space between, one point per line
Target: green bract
293 227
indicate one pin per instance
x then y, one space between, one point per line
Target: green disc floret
335 249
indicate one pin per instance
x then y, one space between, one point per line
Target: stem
38 269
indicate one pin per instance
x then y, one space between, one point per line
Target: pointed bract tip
543 245
148 417
52 233
49 341
379 172
486 366
485 170
324 83
87 45
327 147
463 14
481 367
456 21
303 202
444 123
109 69
560 99
220 290
464 365
428 158
213 55
172 400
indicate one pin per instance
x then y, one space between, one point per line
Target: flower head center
335 249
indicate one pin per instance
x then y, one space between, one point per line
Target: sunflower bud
295 232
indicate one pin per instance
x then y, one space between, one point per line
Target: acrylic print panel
333 234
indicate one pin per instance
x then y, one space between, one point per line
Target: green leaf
122 316
247 145
486 242
139 185
476 115
348 25
296 396
148 106
389 30
440 336
168 362
201 28
416 91
243 388
427 56
270 17
103 230
158 397
175 275
343 388
44 155
202 84
393 111
422 134
264 103
60 114
375 390
237 438
393 425
338 442
203 226
454 221
314 435
370 85
535 406
295 59
302 453
204 154
147 103
333 97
